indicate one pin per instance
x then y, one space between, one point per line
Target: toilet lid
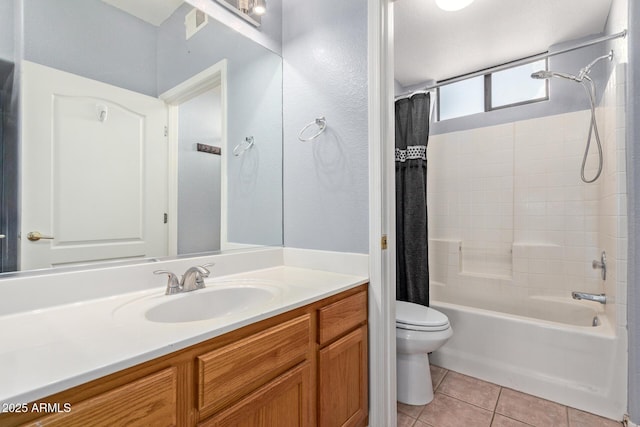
419 317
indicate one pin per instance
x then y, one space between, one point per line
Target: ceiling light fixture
243 6
453 5
260 7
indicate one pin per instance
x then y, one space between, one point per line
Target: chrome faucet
601 298
192 279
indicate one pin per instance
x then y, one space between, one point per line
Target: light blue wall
7 30
254 94
633 209
325 73
114 47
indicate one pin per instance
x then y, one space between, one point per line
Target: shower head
582 75
586 70
544 74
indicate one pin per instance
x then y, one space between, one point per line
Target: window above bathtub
492 91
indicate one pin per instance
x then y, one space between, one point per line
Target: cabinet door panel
149 401
284 402
343 382
230 372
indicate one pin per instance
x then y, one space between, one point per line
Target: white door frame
382 273
212 77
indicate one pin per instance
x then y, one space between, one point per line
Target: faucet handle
204 267
202 273
173 284
602 264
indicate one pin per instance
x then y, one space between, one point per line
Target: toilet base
414 386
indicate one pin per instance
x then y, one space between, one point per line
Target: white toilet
419 330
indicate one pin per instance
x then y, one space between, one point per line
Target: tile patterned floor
461 400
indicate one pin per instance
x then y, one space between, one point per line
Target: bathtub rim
604 329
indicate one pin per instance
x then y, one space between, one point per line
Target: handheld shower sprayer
582 75
545 75
584 79
542 74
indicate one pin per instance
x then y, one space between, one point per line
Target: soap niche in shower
486 259
450 261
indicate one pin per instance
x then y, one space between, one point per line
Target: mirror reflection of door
94 171
199 183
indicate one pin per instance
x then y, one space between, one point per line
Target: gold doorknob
34 236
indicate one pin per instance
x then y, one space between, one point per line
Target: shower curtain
412 263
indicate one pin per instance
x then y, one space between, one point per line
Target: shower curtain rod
516 63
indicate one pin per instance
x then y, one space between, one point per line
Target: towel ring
321 122
239 149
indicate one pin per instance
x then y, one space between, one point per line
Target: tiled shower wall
612 232
506 203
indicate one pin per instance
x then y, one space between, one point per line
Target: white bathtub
545 346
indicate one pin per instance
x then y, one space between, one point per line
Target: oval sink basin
208 303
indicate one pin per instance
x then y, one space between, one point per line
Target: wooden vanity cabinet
150 400
303 368
227 374
283 402
342 363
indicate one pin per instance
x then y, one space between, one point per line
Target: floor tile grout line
539 398
463 401
411 416
515 419
493 416
446 372
495 407
478 379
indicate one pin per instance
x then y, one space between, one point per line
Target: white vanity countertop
45 351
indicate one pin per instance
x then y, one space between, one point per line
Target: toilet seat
417 317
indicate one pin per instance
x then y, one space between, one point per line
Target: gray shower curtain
412 262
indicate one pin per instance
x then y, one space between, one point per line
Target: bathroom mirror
136 117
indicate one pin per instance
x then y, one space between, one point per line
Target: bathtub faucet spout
601 298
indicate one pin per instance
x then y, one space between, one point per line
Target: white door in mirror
97 182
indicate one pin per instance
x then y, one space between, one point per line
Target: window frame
438 98
488 98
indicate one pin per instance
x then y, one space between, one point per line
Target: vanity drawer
230 372
151 400
284 401
340 317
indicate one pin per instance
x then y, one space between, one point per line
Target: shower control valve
602 264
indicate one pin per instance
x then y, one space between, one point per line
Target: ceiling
431 44
154 12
